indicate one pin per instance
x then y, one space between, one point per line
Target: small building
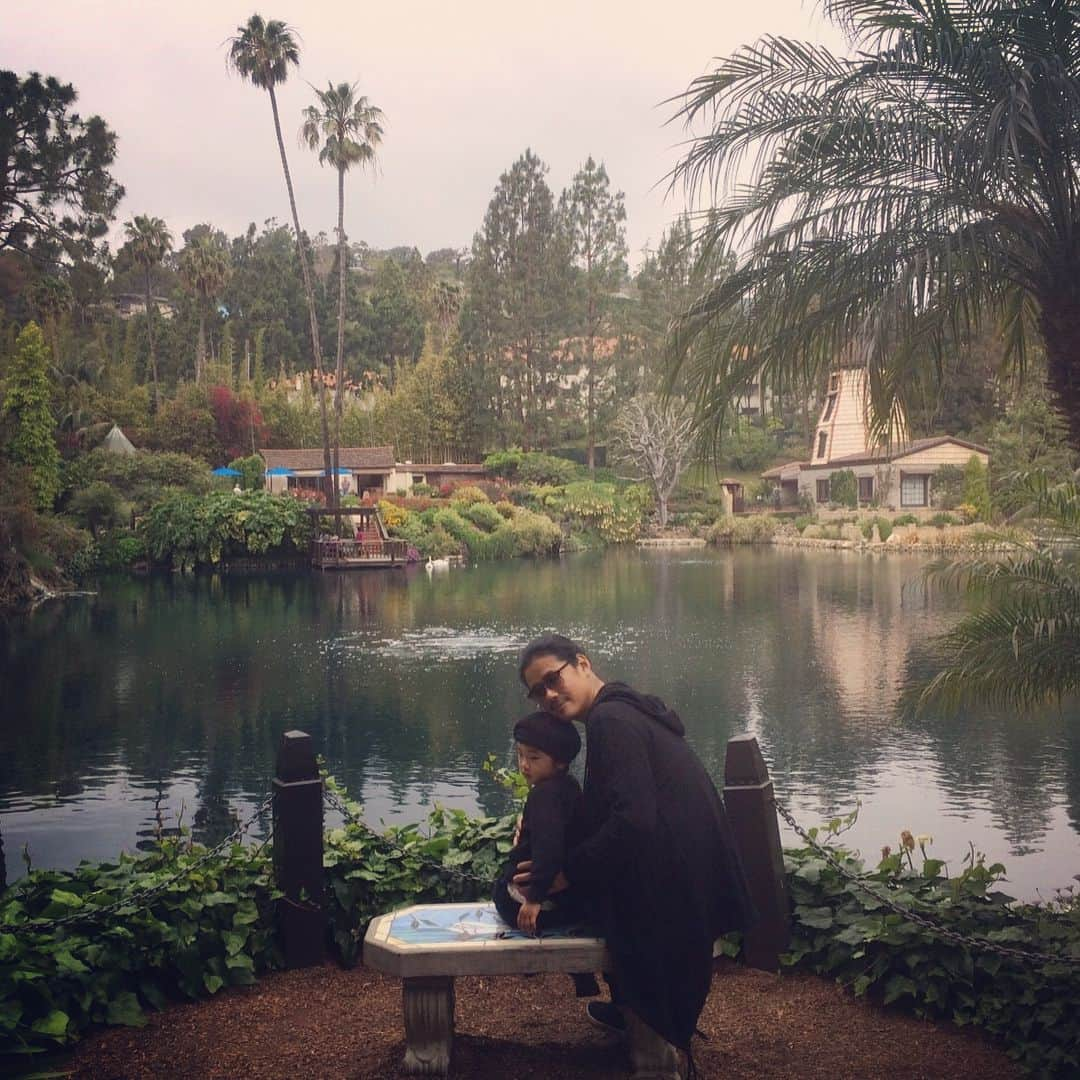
116 442
448 472
896 475
128 305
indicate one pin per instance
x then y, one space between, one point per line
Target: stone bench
429 944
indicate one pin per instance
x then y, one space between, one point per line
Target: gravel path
326 1022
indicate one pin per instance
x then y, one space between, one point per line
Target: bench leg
651 1056
429 1024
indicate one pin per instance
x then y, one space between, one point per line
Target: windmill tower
843 428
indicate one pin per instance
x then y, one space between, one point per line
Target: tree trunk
200 348
339 367
150 335
1060 325
330 485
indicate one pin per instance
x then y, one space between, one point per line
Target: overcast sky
465 86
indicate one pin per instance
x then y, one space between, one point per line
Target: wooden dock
330 553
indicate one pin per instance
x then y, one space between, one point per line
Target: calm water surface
169 695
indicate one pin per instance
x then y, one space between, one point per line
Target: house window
913 489
830 404
822 442
866 489
823 491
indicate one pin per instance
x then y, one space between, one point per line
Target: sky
466 87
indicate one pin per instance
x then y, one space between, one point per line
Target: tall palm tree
345 129
262 52
889 201
149 241
205 268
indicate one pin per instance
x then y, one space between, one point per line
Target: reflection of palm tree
205 268
926 184
262 52
149 241
345 130
1021 646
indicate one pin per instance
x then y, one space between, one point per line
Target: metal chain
140 897
336 803
929 925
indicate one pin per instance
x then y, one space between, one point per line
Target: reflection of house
128 305
895 475
364 470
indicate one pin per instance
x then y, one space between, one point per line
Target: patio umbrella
340 472
280 470
225 471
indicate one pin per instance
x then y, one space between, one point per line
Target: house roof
117 442
900 452
777 470
362 458
447 467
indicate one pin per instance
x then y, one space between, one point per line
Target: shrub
977 489
98 506
749 450
755 529
904 519
469 493
506 508
504 463
535 534
251 470
941 520
614 515
482 514
946 487
545 469
884 528
392 516
844 488
422 489
803 520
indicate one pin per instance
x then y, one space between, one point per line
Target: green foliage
546 469
844 488
841 932
468 493
482 514
946 487
904 519
251 471
26 405
884 528
504 463
141 479
614 514
977 488
189 530
802 520
754 529
939 521
749 449
98 506
212 928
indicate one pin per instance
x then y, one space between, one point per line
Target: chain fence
966 941
335 801
140 897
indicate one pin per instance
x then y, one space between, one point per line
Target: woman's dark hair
562 648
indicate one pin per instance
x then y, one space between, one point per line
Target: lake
167 696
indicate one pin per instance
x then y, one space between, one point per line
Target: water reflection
169 695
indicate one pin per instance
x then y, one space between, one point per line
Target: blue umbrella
280 470
340 472
225 471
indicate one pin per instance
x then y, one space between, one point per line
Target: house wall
399 483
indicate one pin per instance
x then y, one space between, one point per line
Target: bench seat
427 945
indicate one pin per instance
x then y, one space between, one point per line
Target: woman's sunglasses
548 681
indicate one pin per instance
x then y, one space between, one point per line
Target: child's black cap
559 738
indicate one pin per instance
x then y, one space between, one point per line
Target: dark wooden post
748 796
298 850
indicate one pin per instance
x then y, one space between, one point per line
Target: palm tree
205 268
149 241
345 129
1020 647
889 202
262 52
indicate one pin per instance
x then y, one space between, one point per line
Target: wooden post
748 797
298 850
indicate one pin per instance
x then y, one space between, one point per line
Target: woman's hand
527 916
524 877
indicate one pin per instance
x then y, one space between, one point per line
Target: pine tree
26 401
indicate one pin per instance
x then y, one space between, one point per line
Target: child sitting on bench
551 821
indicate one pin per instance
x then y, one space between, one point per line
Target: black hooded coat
660 859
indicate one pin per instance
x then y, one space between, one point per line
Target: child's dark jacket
552 822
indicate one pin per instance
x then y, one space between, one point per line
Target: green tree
204 269
26 406
262 52
56 192
519 279
345 129
977 488
594 217
148 242
923 185
397 325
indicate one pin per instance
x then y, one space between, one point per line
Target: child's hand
517 831
527 917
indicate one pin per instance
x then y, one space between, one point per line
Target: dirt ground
326 1022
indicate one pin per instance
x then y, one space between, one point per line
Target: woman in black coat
659 861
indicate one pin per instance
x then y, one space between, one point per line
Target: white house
896 476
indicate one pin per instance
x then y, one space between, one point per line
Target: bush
976 494
755 529
535 534
428 490
941 520
482 514
392 516
803 520
98 506
884 527
749 450
946 487
468 493
504 463
545 469
615 515
844 488
904 519
251 470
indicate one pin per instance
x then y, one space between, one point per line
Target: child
551 821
